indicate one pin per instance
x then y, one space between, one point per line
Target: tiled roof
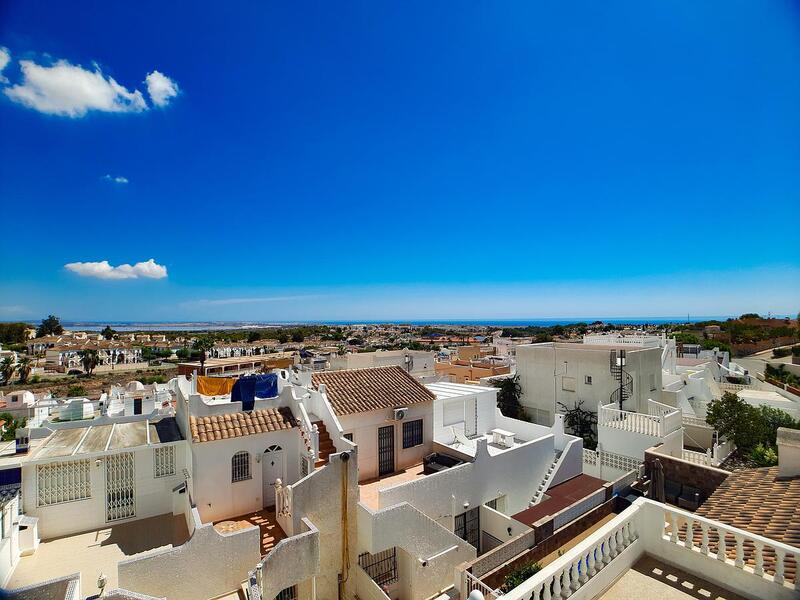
238 424
757 501
362 390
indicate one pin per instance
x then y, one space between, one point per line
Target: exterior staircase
326 447
539 494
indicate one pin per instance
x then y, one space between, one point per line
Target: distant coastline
229 325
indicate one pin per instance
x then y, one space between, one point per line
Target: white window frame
163 461
240 467
587 379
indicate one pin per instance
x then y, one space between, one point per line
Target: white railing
694 421
752 553
701 458
611 459
309 432
732 387
666 420
283 500
470 583
572 570
590 457
749 562
722 451
629 421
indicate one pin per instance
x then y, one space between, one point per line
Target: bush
516 577
781 352
764 456
76 390
795 350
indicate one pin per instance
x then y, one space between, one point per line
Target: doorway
385 450
272 469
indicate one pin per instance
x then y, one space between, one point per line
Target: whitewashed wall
515 474
154 496
216 496
9 546
364 427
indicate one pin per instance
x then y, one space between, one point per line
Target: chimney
788 452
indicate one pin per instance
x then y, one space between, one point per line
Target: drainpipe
345 458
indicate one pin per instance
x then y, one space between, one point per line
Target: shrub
795 350
76 390
781 352
764 456
520 575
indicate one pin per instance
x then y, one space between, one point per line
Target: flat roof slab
62 443
128 435
96 439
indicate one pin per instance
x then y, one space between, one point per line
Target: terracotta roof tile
231 425
757 501
362 390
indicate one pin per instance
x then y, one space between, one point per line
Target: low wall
548 544
705 478
208 564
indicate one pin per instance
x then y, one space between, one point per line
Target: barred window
63 482
289 593
412 433
163 461
381 567
240 467
348 437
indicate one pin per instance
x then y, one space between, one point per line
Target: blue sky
403 160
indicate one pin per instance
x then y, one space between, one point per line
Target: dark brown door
385 450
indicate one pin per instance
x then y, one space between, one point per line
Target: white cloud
161 88
5 58
118 179
103 270
72 91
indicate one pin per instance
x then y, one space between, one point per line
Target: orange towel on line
215 386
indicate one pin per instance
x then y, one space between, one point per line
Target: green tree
13 333
508 398
203 344
89 359
12 424
582 423
253 336
108 333
297 336
7 368
736 420
24 366
50 326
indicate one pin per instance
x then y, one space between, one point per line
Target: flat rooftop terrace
99 551
368 490
559 497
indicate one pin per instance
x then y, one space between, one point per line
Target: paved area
650 578
265 520
369 489
99 551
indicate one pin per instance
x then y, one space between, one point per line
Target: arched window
240 467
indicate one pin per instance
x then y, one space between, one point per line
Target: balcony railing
751 563
662 421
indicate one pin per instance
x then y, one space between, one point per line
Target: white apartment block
551 373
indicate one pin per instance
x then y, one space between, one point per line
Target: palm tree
24 367
89 359
203 344
7 368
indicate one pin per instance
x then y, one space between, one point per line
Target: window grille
63 482
289 593
492 503
163 461
381 567
303 466
348 437
468 527
588 380
120 487
240 467
412 433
